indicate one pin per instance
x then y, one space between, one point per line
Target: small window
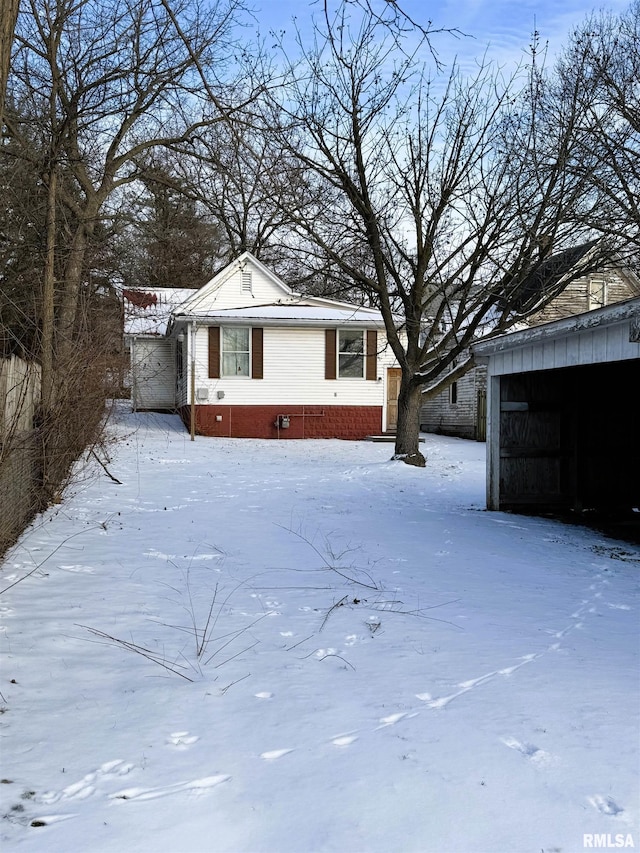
235 352
350 354
246 281
597 291
453 393
179 360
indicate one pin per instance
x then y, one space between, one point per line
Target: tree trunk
408 429
69 303
48 295
8 19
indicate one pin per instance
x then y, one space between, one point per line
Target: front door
394 375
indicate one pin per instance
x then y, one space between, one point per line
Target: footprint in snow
344 740
274 753
182 739
47 820
605 805
197 786
392 719
533 753
86 786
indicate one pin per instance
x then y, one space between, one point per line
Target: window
230 352
350 354
180 360
453 393
235 352
597 291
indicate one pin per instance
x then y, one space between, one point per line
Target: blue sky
502 26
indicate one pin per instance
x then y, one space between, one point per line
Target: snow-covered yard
378 663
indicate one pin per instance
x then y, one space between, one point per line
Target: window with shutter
235 351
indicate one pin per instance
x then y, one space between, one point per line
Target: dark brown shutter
256 354
214 352
330 354
372 354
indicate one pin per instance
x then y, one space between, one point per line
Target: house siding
585 294
589 346
440 415
285 377
229 293
153 369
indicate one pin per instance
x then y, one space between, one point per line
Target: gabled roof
280 304
548 278
191 306
158 311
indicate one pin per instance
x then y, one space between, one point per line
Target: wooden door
394 375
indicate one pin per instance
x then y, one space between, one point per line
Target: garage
563 421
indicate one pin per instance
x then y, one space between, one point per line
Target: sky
281 646
503 27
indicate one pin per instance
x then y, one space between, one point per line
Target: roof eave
609 314
209 320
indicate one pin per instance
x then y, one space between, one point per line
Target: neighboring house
563 422
460 410
246 357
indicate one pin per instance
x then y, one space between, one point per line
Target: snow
380 664
154 318
288 313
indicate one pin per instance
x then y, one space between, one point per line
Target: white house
246 357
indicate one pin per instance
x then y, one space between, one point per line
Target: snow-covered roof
147 312
158 311
291 313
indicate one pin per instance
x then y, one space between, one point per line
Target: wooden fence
19 447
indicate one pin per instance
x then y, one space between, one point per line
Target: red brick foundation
349 422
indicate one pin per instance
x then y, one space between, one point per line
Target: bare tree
438 199
99 86
111 84
247 183
603 58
